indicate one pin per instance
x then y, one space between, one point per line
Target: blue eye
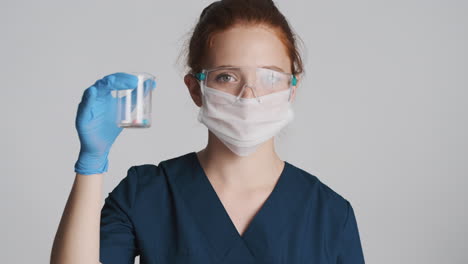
222 77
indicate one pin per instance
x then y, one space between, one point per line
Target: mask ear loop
201 76
293 83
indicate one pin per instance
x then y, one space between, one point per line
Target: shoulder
318 187
333 206
147 178
148 174
329 208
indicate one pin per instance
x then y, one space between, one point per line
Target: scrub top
170 213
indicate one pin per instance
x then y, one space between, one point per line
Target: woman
235 201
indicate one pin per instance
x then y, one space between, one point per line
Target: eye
224 78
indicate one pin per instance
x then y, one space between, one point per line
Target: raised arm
78 236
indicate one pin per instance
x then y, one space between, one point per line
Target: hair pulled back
224 14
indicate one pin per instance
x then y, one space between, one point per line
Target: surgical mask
242 124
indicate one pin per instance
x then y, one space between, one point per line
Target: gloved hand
96 120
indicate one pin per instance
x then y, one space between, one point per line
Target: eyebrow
273 67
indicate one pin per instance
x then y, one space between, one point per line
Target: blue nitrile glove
96 120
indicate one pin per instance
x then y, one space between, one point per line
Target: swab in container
134 105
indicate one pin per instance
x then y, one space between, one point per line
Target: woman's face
255 46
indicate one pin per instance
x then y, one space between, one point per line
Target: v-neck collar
265 229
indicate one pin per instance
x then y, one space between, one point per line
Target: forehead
248 46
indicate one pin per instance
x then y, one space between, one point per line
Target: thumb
84 112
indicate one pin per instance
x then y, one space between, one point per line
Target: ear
194 89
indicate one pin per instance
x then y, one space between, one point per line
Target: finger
153 84
84 112
115 81
149 86
122 81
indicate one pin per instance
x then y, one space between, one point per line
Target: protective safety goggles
235 81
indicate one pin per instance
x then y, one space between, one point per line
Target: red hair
224 14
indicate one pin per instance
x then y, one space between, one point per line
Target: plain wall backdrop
381 116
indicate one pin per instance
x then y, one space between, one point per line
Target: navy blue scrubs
170 213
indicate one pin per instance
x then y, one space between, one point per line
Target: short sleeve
117 236
349 247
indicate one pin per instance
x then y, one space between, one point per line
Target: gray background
381 116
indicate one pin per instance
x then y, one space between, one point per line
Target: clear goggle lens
237 81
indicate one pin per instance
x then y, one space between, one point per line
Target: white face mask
244 125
